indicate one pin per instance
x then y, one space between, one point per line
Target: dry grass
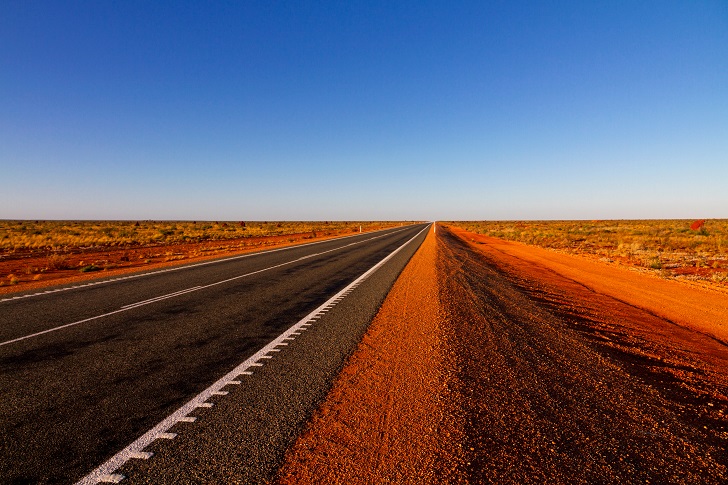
40 253
668 247
55 235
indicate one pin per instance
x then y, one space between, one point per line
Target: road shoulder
385 419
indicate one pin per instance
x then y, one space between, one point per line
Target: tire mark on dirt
566 386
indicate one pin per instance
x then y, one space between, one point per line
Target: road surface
85 371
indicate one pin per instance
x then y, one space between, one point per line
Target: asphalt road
86 371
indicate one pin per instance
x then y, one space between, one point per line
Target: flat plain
35 254
692 250
506 352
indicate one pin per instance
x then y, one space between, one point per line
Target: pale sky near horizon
266 110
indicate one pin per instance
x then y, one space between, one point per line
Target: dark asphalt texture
74 397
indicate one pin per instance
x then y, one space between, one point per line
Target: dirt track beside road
564 384
493 366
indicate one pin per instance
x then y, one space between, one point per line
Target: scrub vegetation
37 253
686 249
28 235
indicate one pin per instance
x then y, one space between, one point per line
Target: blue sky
363 110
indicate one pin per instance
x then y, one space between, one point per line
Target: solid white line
61 327
187 266
163 297
163 427
182 292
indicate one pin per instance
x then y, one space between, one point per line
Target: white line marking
159 298
142 455
219 393
204 263
115 478
232 383
205 405
161 429
165 436
187 419
179 293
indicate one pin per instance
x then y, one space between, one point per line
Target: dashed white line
161 429
142 455
113 478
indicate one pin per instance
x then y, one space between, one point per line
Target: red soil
696 307
496 362
20 272
385 420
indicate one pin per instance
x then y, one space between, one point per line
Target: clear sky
265 110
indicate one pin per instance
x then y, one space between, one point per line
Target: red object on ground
697 224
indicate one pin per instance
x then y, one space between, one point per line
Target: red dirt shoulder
696 307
